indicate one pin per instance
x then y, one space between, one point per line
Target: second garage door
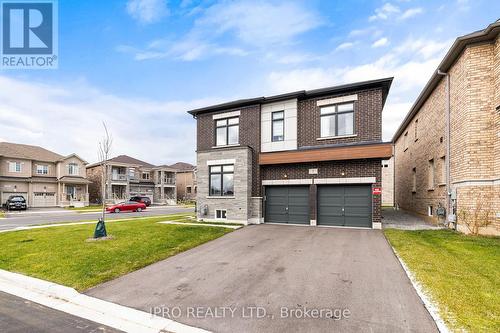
42 199
345 205
287 204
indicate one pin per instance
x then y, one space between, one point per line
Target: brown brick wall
474 82
367 113
333 169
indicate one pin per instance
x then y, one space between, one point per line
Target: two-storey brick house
306 157
128 177
447 150
42 177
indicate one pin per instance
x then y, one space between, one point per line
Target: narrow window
220 214
337 120
145 175
278 126
416 129
221 180
443 169
430 210
405 141
431 175
414 180
227 131
131 173
73 169
188 189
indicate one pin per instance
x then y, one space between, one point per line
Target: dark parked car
130 206
16 202
144 200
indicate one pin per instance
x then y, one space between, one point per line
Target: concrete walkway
284 272
400 219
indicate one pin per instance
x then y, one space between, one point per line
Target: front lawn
461 274
62 254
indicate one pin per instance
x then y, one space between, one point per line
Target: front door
287 204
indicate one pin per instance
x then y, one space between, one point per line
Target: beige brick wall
388 182
475 136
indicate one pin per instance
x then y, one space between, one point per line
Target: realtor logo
29 34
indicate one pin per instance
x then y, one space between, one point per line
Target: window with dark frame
221 180
278 126
416 130
227 131
337 120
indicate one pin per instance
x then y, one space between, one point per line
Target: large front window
337 120
221 180
73 169
227 131
42 169
14 166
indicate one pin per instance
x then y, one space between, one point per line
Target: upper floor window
227 131
131 173
221 179
278 126
42 169
405 141
145 175
416 129
14 166
73 169
431 175
337 120
414 180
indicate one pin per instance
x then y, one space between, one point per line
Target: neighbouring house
307 157
388 182
42 177
128 177
447 150
185 180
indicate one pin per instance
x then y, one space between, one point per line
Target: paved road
34 217
274 267
20 315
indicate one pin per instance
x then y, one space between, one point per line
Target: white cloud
381 42
411 12
384 12
249 24
411 65
147 11
67 119
345 46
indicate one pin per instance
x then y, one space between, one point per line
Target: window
337 120
145 175
278 126
430 210
131 173
73 169
14 166
416 129
414 180
220 214
221 180
188 189
42 169
227 131
431 175
405 141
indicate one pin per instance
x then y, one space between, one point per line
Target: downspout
448 146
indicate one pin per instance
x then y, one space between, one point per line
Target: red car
131 206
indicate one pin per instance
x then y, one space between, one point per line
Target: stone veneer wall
237 207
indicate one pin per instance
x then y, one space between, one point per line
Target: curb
429 305
70 301
203 224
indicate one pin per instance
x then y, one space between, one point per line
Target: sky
139 65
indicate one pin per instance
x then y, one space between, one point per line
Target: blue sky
139 65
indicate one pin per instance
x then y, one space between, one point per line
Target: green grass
461 274
2 214
62 254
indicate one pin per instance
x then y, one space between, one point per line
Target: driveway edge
426 300
70 301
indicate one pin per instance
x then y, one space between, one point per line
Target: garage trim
288 182
352 180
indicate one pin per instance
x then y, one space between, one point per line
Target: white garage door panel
42 199
6 195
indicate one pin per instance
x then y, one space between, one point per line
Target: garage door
6 195
349 205
287 204
42 199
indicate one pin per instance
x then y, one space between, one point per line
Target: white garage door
6 195
42 199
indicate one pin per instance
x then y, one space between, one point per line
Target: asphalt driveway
251 280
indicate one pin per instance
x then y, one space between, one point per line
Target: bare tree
103 154
478 216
